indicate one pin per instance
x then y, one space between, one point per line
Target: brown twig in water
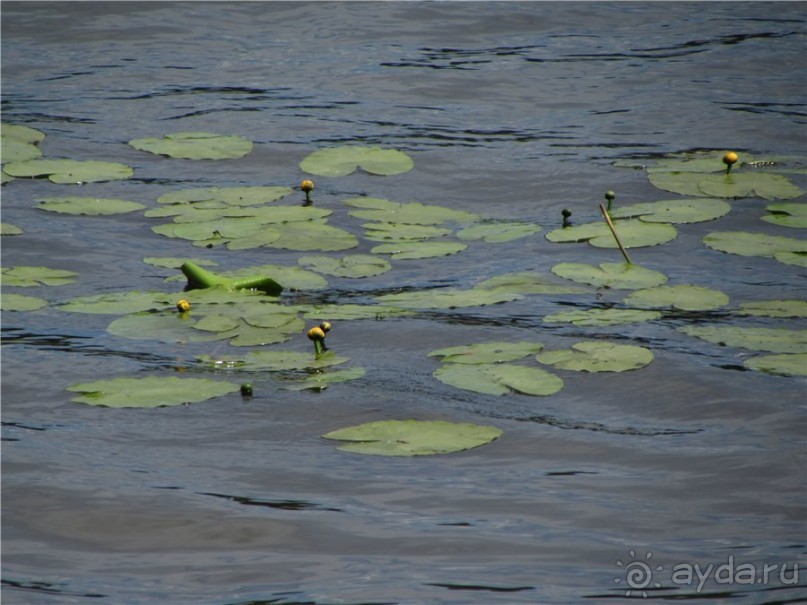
615 234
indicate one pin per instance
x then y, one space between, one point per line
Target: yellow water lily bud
730 158
325 326
307 185
316 334
183 306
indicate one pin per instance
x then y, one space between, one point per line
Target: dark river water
509 110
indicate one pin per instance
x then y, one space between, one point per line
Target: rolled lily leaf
202 278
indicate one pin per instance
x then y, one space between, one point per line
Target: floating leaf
602 317
149 392
633 232
36 276
167 327
446 298
598 356
787 215
753 244
230 196
195 146
9 229
734 185
487 352
348 311
321 380
416 250
499 378
172 262
412 213
775 340
413 437
499 231
527 282
684 297
799 259
19 143
70 171
18 302
625 276
792 364
775 308
401 232
674 211
355 265
344 160
88 205
314 236
263 360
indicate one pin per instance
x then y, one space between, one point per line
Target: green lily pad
265 360
624 276
168 327
149 392
401 232
291 278
9 229
602 317
487 352
19 143
446 298
527 282
70 171
789 364
775 340
36 276
787 215
344 160
753 244
195 146
633 232
309 236
798 259
775 308
695 161
352 265
88 205
499 378
674 211
18 302
411 213
175 262
322 380
413 437
735 185
497 232
416 250
684 297
228 196
349 311
598 356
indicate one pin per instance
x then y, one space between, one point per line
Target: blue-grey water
690 470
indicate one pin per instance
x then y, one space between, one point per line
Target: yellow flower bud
183 306
307 185
316 334
730 158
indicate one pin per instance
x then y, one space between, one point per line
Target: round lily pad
70 171
19 143
753 244
789 364
18 302
323 379
195 146
445 298
487 352
402 232
787 215
36 276
230 196
416 250
633 232
413 437
352 265
497 232
674 211
411 213
499 378
149 392
625 276
88 205
775 340
684 297
344 160
598 356
602 317
735 185
527 282
309 236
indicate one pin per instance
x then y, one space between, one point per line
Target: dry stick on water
615 234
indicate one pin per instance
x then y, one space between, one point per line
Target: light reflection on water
510 110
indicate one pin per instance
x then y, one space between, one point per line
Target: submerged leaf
149 392
341 161
195 146
413 437
88 205
598 356
684 297
625 276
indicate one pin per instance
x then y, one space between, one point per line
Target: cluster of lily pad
245 314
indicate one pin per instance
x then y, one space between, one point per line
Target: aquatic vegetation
71 172
307 186
195 146
683 297
36 276
598 356
601 317
487 352
634 233
88 205
498 232
353 265
677 211
19 143
344 160
202 278
264 360
627 276
149 392
417 250
774 308
19 302
410 213
9 229
446 298
412 437
499 378
774 340
788 364
787 215
745 243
